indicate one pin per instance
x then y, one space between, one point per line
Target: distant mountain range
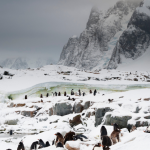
123 31
24 63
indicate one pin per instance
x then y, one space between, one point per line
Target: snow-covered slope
24 63
134 41
94 47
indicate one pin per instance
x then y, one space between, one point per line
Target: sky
40 28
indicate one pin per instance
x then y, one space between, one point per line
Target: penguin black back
21 146
103 131
116 127
47 144
59 144
42 144
34 145
106 141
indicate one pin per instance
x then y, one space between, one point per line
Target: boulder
86 105
11 122
62 109
78 107
100 113
122 121
75 121
50 111
28 113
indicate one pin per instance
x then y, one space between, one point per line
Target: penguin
116 127
47 95
69 98
83 93
26 97
47 144
73 99
59 138
55 93
41 96
95 92
21 146
59 144
79 92
65 94
98 146
90 91
69 136
59 94
34 145
41 143
53 142
11 132
103 131
106 142
80 137
72 92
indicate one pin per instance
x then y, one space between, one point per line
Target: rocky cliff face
135 39
95 45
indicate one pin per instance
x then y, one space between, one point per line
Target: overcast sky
42 27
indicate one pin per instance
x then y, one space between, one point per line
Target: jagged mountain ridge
24 63
95 45
135 40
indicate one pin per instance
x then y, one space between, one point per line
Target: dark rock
75 121
121 121
51 112
86 105
78 107
28 113
100 113
62 109
135 79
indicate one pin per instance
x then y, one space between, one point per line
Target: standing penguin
26 97
41 96
95 92
106 142
11 132
69 136
59 138
72 92
83 93
90 91
21 146
55 93
34 145
79 92
103 131
65 94
59 94
59 144
47 95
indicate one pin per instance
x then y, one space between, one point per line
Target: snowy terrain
35 118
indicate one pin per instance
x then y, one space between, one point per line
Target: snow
140 64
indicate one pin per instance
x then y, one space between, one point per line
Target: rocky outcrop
78 107
75 121
100 113
28 113
135 39
62 109
12 122
122 121
92 48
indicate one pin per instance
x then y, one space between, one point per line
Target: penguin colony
104 143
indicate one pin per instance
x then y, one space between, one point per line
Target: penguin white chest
98 148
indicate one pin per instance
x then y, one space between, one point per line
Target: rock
89 114
87 105
51 112
75 121
78 107
62 109
146 99
28 113
135 79
147 117
121 121
134 41
100 113
90 49
11 122
1 77
6 73
20 105
72 145
43 119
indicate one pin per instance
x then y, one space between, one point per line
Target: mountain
24 63
94 47
135 40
